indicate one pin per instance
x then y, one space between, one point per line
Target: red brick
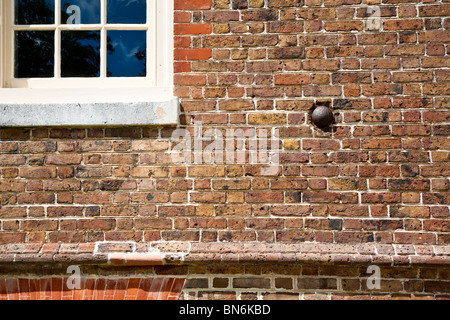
438 225
320 144
286 27
321 65
290 210
333 26
12 237
320 171
434 10
409 184
35 198
415 238
192 54
382 63
292 79
321 197
192 5
404 50
403 24
190 80
294 236
208 197
412 76
264 197
381 197
37 147
381 143
221 41
190 29
288 184
435 62
12 160
12 186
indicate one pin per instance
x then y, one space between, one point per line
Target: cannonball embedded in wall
322 117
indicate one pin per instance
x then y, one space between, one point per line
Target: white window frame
153 91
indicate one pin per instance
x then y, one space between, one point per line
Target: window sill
88 107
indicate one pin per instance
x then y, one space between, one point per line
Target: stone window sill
88 107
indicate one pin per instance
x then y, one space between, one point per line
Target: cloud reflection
126 57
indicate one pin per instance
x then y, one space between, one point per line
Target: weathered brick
320 144
264 197
208 197
403 24
38 172
381 197
288 184
409 184
408 156
320 171
317 283
321 65
12 160
321 197
347 184
290 210
292 79
381 143
69 159
37 147
39 225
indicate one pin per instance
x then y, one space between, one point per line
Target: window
65 48
73 43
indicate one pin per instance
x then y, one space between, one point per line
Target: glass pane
127 53
34 12
34 54
80 11
80 53
127 11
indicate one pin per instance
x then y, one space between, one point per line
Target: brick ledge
157 254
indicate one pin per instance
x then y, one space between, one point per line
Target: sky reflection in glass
34 54
34 12
80 53
126 53
127 11
80 50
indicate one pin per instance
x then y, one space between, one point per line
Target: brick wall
379 175
381 170
314 283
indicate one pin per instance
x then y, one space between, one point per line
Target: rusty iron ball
322 117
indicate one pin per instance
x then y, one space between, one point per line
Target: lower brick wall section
314 282
226 282
60 288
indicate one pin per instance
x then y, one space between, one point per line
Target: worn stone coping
87 107
170 253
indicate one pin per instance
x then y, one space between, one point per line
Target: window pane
127 11
80 53
80 11
34 12
127 53
34 54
